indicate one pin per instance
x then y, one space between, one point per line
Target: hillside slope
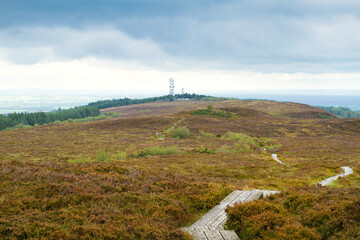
119 179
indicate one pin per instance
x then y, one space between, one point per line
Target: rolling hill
129 178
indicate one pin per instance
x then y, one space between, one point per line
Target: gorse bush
181 132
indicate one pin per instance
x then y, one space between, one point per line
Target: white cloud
92 74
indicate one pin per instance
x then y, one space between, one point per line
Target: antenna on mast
172 86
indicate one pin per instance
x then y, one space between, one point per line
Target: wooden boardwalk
211 225
274 156
347 171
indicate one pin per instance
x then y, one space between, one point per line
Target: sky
206 46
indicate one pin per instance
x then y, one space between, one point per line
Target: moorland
160 166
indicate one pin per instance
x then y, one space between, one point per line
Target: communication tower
172 86
182 91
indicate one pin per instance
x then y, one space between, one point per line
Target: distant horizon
41 100
165 91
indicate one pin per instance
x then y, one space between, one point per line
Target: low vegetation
248 143
101 156
205 135
103 116
300 213
94 180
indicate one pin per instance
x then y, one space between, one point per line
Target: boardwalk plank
229 235
217 209
213 235
199 235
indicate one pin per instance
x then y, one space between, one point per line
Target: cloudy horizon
220 45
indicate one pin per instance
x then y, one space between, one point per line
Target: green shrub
157 151
205 135
181 132
106 115
324 116
237 148
242 137
19 126
119 156
248 143
102 156
213 112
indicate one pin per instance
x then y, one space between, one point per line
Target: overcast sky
208 45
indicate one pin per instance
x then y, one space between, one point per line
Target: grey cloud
265 35
31 45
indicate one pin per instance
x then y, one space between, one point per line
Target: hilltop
282 109
129 178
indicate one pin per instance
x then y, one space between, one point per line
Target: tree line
40 118
90 110
342 112
127 101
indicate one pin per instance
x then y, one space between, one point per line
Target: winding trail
347 171
161 135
